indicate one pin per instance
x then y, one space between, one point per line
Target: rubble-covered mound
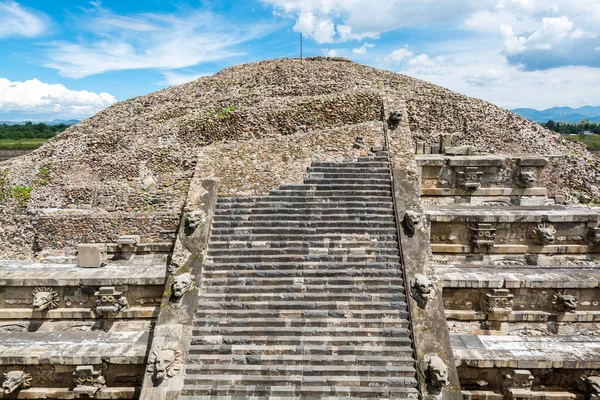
135 159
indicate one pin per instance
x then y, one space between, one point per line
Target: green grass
28 144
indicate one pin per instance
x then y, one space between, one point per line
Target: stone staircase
302 295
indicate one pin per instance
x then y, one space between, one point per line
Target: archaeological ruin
301 229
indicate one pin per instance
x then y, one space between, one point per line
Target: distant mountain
557 114
53 122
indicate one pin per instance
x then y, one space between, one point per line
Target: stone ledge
73 348
533 395
19 273
77 313
526 316
526 352
492 191
490 277
518 214
67 394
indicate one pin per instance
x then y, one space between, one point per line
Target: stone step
232 272
301 250
273 397
306 221
387 210
304 391
383 176
279 340
296 250
351 181
302 287
341 169
299 370
304 305
346 194
213 260
308 282
361 164
365 268
325 244
302 296
303 332
303 217
305 314
354 185
298 202
257 352
303 380
312 356
293 232
376 157
283 237
304 322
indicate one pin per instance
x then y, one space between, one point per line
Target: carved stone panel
469 177
88 380
483 235
497 303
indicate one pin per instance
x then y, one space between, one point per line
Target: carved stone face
194 219
423 285
165 362
567 302
88 379
412 220
545 234
436 372
595 236
44 298
524 178
14 380
181 284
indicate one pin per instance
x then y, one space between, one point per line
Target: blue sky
70 59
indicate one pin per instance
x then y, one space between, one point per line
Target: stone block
92 255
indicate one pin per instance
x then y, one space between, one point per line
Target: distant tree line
577 128
29 130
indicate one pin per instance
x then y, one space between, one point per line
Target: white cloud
150 41
178 78
16 21
486 78
399 55
363 49
34 97
488 75
327 21
329 52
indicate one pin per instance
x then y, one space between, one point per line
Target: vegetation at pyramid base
28 135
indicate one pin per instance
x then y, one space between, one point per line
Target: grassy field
21 143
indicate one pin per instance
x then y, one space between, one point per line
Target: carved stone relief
524 177
194 219
436 373
44 299
422 290
88 380
483 235
469 177
497 303
544 234
181 284
165 362
565 302
14 379
110 300
412 221
594 236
